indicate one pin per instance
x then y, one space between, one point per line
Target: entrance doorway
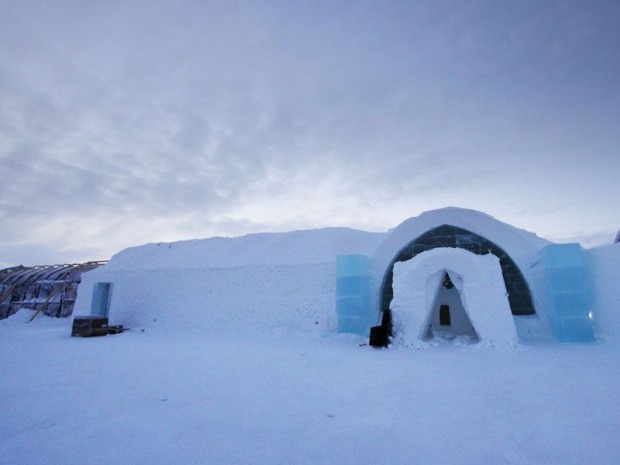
462 290
448 318
102 294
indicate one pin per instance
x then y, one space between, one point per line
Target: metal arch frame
21 275
21 282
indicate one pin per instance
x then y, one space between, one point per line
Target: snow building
444 275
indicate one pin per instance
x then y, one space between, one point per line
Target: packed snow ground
157 398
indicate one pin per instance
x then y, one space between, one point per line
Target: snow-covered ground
157 398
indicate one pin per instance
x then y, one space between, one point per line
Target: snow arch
418 287
473 231
452 236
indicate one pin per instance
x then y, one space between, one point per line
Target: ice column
353 294
567 277
100 306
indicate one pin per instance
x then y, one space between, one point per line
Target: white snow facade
449 274
259 284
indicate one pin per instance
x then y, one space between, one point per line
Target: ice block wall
353 294
568 281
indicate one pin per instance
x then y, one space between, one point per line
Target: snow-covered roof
318 245
20 275
514 241
291 248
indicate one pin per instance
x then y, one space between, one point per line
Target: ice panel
352 265
352 307
352 286
353 325
562 256
574 330
572 305
569 279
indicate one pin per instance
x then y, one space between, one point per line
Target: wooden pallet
89 326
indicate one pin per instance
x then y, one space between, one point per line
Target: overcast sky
129 122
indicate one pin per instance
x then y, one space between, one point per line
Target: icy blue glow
353 294
569 290
102 293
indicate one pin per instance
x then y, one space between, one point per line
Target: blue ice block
568 279
353 286
353 294
568 284
572 304
352 265
100 304
563 256
354 326
574 330
352 307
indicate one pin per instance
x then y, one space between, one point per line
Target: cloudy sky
126 122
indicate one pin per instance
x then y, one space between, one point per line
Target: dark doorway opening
444 315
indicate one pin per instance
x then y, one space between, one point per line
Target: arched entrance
450 293
448 317
449 236
518 251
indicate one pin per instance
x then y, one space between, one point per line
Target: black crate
89 326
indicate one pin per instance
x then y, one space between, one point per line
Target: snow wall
255 284
287 282
604 263
480 285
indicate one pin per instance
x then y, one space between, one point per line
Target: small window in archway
444 315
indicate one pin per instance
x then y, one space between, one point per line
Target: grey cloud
183 114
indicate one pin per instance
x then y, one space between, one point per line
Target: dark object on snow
380 335
617 240
87 326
